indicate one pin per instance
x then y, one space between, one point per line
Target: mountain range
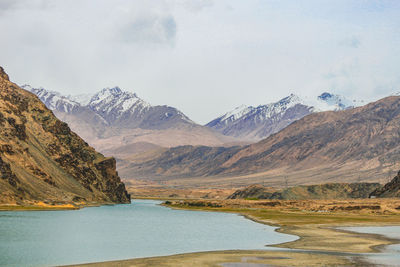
145 138
119 123
109 112
255 123
43 161
350 145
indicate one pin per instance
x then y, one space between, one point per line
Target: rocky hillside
42 160
255 123
322 191
391 189
342 146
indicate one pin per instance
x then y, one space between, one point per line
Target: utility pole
286 182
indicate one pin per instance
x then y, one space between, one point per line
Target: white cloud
204 57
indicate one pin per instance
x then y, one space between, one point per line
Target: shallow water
141 229
390 255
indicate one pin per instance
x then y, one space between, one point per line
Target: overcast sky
204 57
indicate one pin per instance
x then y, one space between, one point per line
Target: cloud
194 5
12 5
7 4
153 29
194 54
353 42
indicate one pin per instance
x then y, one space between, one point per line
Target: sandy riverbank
238 258
41 206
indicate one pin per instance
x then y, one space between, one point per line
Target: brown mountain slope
391 189
343 146
42 160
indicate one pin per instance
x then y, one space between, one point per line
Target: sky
204 57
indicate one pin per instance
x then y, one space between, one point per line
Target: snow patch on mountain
327 101
82 99
263 120
114 100
53 100
324 102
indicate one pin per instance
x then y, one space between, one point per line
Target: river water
140 229
390 255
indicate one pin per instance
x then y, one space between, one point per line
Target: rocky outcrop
323 191
41 159
391 189
255 191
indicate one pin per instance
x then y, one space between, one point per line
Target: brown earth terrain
391 189
355 145
321 191
154 190
44 163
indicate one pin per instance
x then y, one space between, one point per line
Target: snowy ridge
113 106
327 101
53 100
82 99
114 100
323 102
236 113
263 120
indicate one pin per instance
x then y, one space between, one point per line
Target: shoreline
375 242
49 207
307 250
317 243
243 258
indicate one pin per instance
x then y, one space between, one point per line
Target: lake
140 229
390 255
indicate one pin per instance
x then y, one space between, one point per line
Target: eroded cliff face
304 192
41 159
391 189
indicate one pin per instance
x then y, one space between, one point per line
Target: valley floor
314 221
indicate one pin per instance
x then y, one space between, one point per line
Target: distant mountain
116 107
113 120
359 144
255 123
42 160
53 100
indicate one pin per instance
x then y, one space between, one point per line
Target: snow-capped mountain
117 122
115 106
82 99
255 123
53 100
127 110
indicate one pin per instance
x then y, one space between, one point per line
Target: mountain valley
352 145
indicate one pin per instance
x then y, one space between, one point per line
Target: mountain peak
114 90
325 96
292 98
